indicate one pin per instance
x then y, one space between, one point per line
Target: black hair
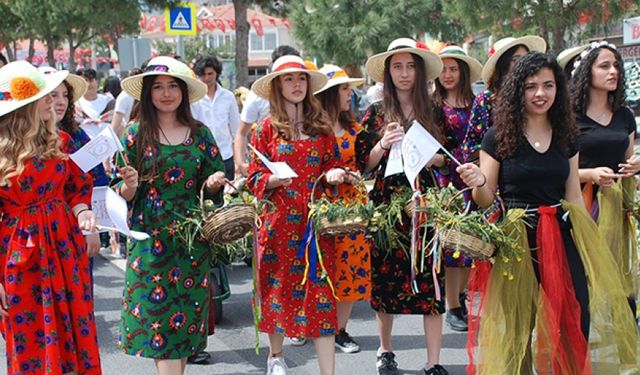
283 50
207 62
502 68
87 73
3 59
112 85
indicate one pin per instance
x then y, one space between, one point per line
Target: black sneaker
436 370
462 297
456 320
346 343
387 364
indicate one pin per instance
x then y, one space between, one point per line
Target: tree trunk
51 46
13 51
72 52
242 43
32 50
558 39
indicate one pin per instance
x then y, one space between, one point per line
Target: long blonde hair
24 135
316 121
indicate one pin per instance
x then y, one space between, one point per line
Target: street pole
180 47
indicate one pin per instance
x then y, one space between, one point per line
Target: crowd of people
550 137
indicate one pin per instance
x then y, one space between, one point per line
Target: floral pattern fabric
454 128
288 306
165 302
391 290
480 121
353 263
44 269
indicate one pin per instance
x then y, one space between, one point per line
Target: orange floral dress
353 263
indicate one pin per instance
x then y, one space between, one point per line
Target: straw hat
565 56
532 42
375 63
285 65
77 83
337 76
21 83
455 52
166 66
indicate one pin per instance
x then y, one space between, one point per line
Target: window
267 42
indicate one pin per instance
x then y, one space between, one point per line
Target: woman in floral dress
404 69
169 157
299 134
452 107
46 307
502 56
353 264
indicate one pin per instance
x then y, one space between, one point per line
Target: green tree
553 20
346 32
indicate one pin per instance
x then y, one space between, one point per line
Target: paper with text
111 212
98 150
279 169
418 147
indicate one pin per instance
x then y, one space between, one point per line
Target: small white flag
279 169
99 149
111 212
418 147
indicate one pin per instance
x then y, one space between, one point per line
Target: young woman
298 133
46 308
530 156
502 56
404 69
353 266
452 107
64 97
607 137
169 157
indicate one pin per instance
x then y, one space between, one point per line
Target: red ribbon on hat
290 65
492 51
421 45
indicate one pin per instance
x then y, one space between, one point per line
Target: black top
529 178
605 146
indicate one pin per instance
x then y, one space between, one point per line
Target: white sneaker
297 341
276 366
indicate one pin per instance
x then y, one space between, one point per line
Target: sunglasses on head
156 68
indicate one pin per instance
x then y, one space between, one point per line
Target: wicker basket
472 246
227 223
343 226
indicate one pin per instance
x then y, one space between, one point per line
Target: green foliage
551 20
345 32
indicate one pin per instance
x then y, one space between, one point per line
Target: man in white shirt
218 110
95 110
255 109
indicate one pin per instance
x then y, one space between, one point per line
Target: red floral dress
353 263
288 307
44 269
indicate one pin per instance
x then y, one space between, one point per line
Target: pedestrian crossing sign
181 19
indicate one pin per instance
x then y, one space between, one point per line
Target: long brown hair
68 121
315 120
148 142
330 101
24 135
464 90
421 102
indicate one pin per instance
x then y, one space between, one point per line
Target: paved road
232 346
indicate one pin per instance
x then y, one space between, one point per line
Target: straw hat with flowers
375 63
21 83
286 65
166 66
337 76
532 42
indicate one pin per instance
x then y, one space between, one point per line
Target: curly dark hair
581 82
68 122
510 118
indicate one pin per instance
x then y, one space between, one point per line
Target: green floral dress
166 297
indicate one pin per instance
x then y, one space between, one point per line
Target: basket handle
204 185
315 184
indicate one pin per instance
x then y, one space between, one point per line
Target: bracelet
484 183
382 147
81 211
